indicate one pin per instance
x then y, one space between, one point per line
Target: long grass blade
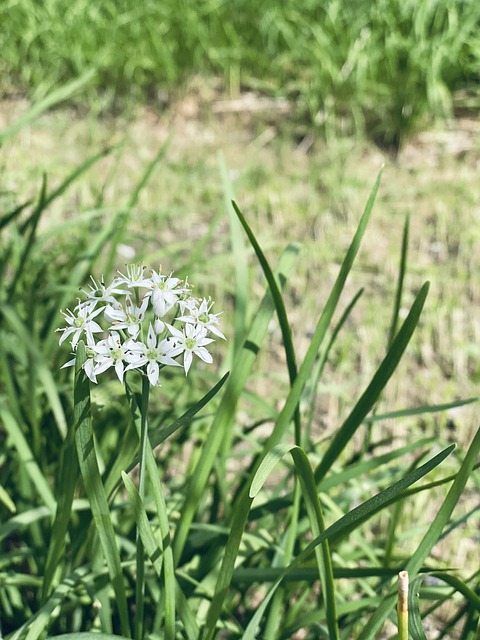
377 384
154 551
322 327
418 411
281 313
93 485
239 260
68 476
23 520
401 279
315 514
162 514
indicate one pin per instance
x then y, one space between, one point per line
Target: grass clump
379 66
236 527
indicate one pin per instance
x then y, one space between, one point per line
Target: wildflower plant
129 325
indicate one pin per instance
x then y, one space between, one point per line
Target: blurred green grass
382 66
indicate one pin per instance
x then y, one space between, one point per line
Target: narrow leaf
377 384
93 484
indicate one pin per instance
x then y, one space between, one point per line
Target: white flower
110 353
83 322
100 293
134 277
150 354
191 341
130 318
186 304
165 292
201 317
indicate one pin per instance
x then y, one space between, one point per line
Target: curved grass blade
93 484
23 520
350 520
225 412
315 514
281 313
434 532
342 477
322 327
415 626
271 625
377 384
459 585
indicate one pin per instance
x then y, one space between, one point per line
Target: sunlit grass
330 458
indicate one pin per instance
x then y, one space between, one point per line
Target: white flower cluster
128 303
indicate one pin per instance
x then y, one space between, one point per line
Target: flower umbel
156 303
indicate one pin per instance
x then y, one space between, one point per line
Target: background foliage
382 66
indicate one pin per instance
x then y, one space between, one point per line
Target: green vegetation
381 66
231 563
334 443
